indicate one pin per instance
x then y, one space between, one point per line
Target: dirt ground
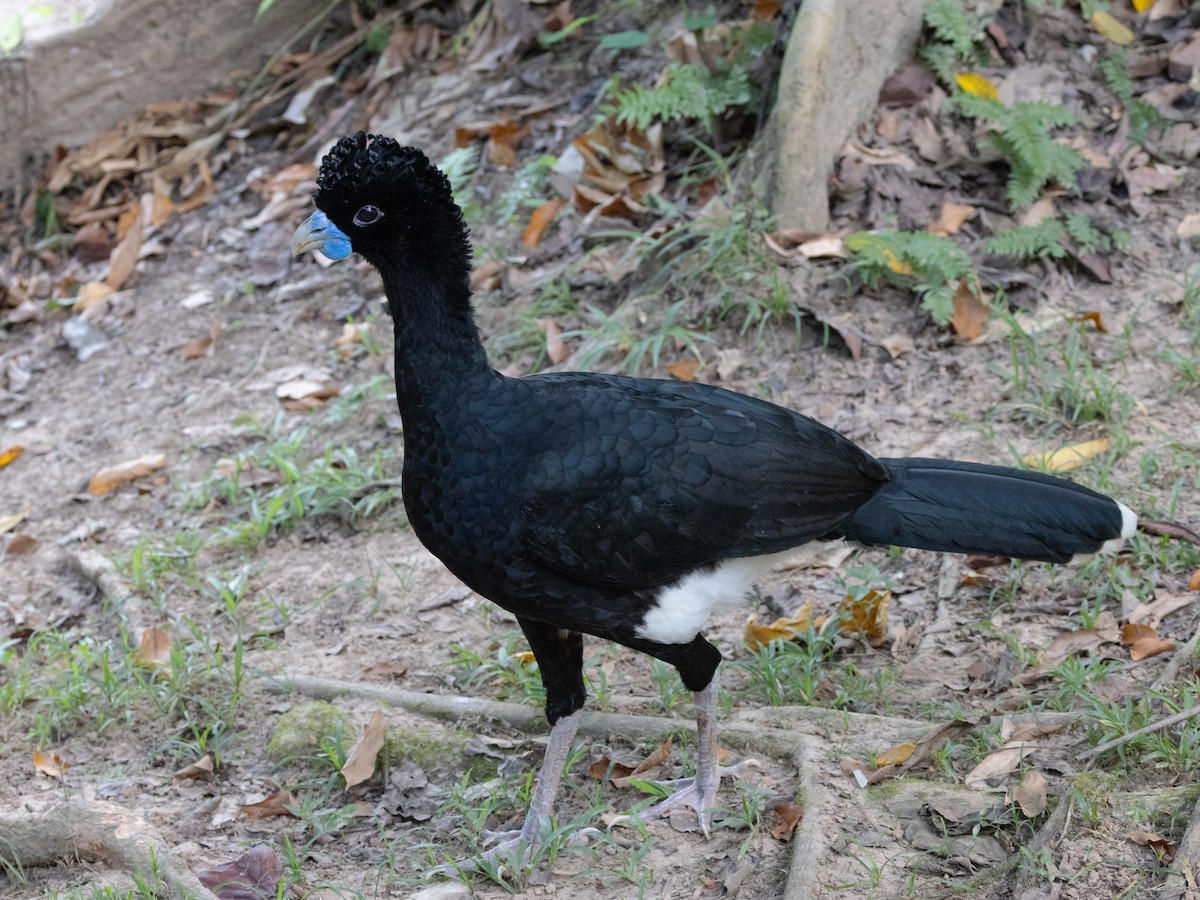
198 357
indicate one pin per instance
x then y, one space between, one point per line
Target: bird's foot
697 792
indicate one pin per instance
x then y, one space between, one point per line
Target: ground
252 596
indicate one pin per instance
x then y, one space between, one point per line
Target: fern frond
952 25
1025 242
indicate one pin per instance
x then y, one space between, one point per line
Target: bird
631 509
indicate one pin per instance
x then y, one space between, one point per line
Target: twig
1126 738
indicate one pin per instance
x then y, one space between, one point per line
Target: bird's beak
318 233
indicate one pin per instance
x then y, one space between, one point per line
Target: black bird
631 508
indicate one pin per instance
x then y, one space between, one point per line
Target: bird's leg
700 791
541 805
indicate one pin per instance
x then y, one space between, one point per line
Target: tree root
96 831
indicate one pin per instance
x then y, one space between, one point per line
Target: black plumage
627 508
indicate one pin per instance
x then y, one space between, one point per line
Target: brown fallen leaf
113 476
540 221
896 756
654 760
201 768
487 276
605 767
1143 641
10 454
361 758
786 628
351 338
924 751
684 370
125 255
788 816
155 649
92 293
1095 318
21 544
275 804
950 219
1156 842
50 763
202 346
1194 581
971 311
1030 794
865 616
556 347
255 875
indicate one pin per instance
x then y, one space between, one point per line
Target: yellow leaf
895 756
979 85
787 628
1107 26
1142 5
1066 458
10 454
866 615
525 658
112 476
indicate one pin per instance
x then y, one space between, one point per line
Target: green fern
1024 138
932 266
957 35
1026 242
686 92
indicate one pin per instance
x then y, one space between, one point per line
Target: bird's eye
368 215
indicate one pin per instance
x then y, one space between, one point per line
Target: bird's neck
439 356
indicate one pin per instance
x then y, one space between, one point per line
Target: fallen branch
1133 735
97 831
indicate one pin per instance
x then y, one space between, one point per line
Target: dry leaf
10 454
1107 26
824 247
684 370
1194 581
1066 458
125 255
997 765
1143 641
1164 604
201 768
540 221
8 523
274 805
1142 5
155 649
92 293
1095 318
50 763
787 628
360 760
1172 530
255 875
866 615
1030 794
350 339
556 347
21 544
1155 842
525 658
896 756
657 758
978 85
970 311
789 815
112 476
951 219
605 768
202 346
1188 227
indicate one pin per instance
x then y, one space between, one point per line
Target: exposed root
96 831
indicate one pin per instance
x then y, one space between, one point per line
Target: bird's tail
960 507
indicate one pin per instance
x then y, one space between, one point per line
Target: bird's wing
637 482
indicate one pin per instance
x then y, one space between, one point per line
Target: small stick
1126 738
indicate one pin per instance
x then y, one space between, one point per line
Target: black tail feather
959 507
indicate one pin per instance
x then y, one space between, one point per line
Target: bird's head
389 204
